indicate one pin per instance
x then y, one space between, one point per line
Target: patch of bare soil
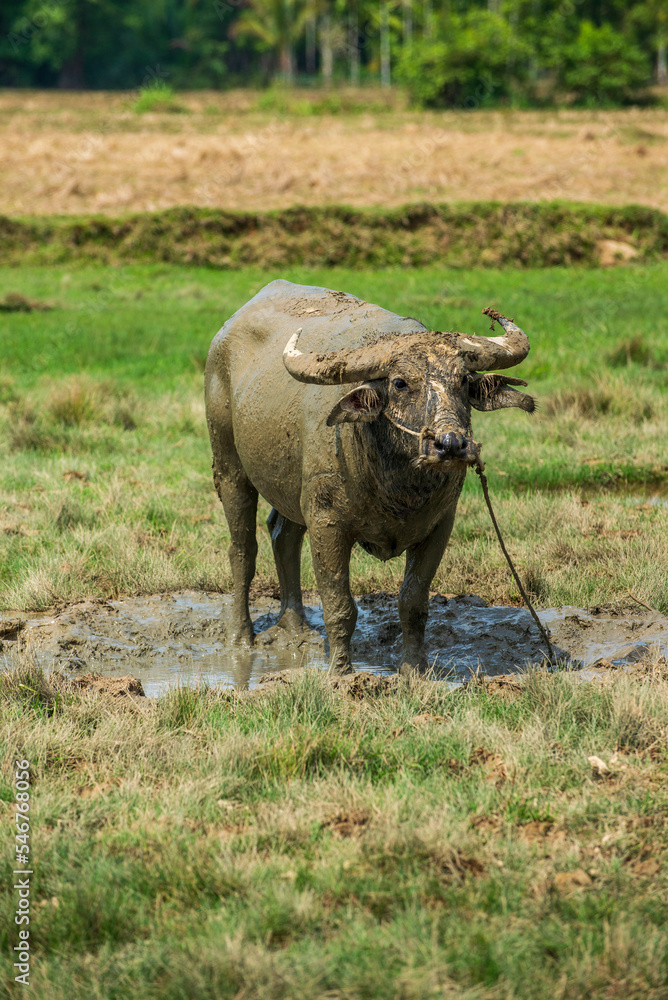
14 302
75 153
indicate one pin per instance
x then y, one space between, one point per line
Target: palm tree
385 78
277 23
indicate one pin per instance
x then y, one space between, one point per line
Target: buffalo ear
493 392
364 402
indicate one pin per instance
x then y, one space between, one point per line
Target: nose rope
479 466
401 427
424 435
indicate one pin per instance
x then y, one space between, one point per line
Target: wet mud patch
167 639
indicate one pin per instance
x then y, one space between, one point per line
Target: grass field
105 486
301 843
379 838
69 154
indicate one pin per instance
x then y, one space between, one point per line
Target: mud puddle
181 638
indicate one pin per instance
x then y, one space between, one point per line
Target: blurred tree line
448 53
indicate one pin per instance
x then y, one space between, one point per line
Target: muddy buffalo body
353 423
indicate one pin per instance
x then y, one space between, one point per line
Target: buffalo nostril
451 442
451 445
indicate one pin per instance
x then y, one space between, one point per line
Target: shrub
474 61
158 97
601 66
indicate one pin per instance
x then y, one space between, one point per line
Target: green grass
105 484
299 843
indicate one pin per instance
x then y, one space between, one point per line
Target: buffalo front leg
330 551
239 499
422 561
286 541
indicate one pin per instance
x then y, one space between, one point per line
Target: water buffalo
381 463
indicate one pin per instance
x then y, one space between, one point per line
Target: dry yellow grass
76 153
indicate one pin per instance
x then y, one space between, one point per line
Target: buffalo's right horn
358 365
497 352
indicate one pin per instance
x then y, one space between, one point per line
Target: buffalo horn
336 368
487 353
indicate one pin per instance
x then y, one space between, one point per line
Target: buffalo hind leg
239 499
286 541
330 550
422 561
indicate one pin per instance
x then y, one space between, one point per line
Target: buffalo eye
400 384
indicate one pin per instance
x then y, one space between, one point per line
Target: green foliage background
463 53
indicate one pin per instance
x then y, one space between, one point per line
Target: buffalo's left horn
335 368
487 353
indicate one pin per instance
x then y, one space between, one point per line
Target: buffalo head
423 384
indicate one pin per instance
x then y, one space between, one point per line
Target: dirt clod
347 824
536 830
114 686
11 628
648 868
365 685
425 718
599 768
492 763
508 686
566 882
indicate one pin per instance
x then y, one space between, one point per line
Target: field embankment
319 840
473 235
69 153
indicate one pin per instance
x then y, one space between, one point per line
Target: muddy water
181 638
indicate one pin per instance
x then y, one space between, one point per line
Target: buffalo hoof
292 621
412 669
340 669
243 636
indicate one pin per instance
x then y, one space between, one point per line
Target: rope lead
485 491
